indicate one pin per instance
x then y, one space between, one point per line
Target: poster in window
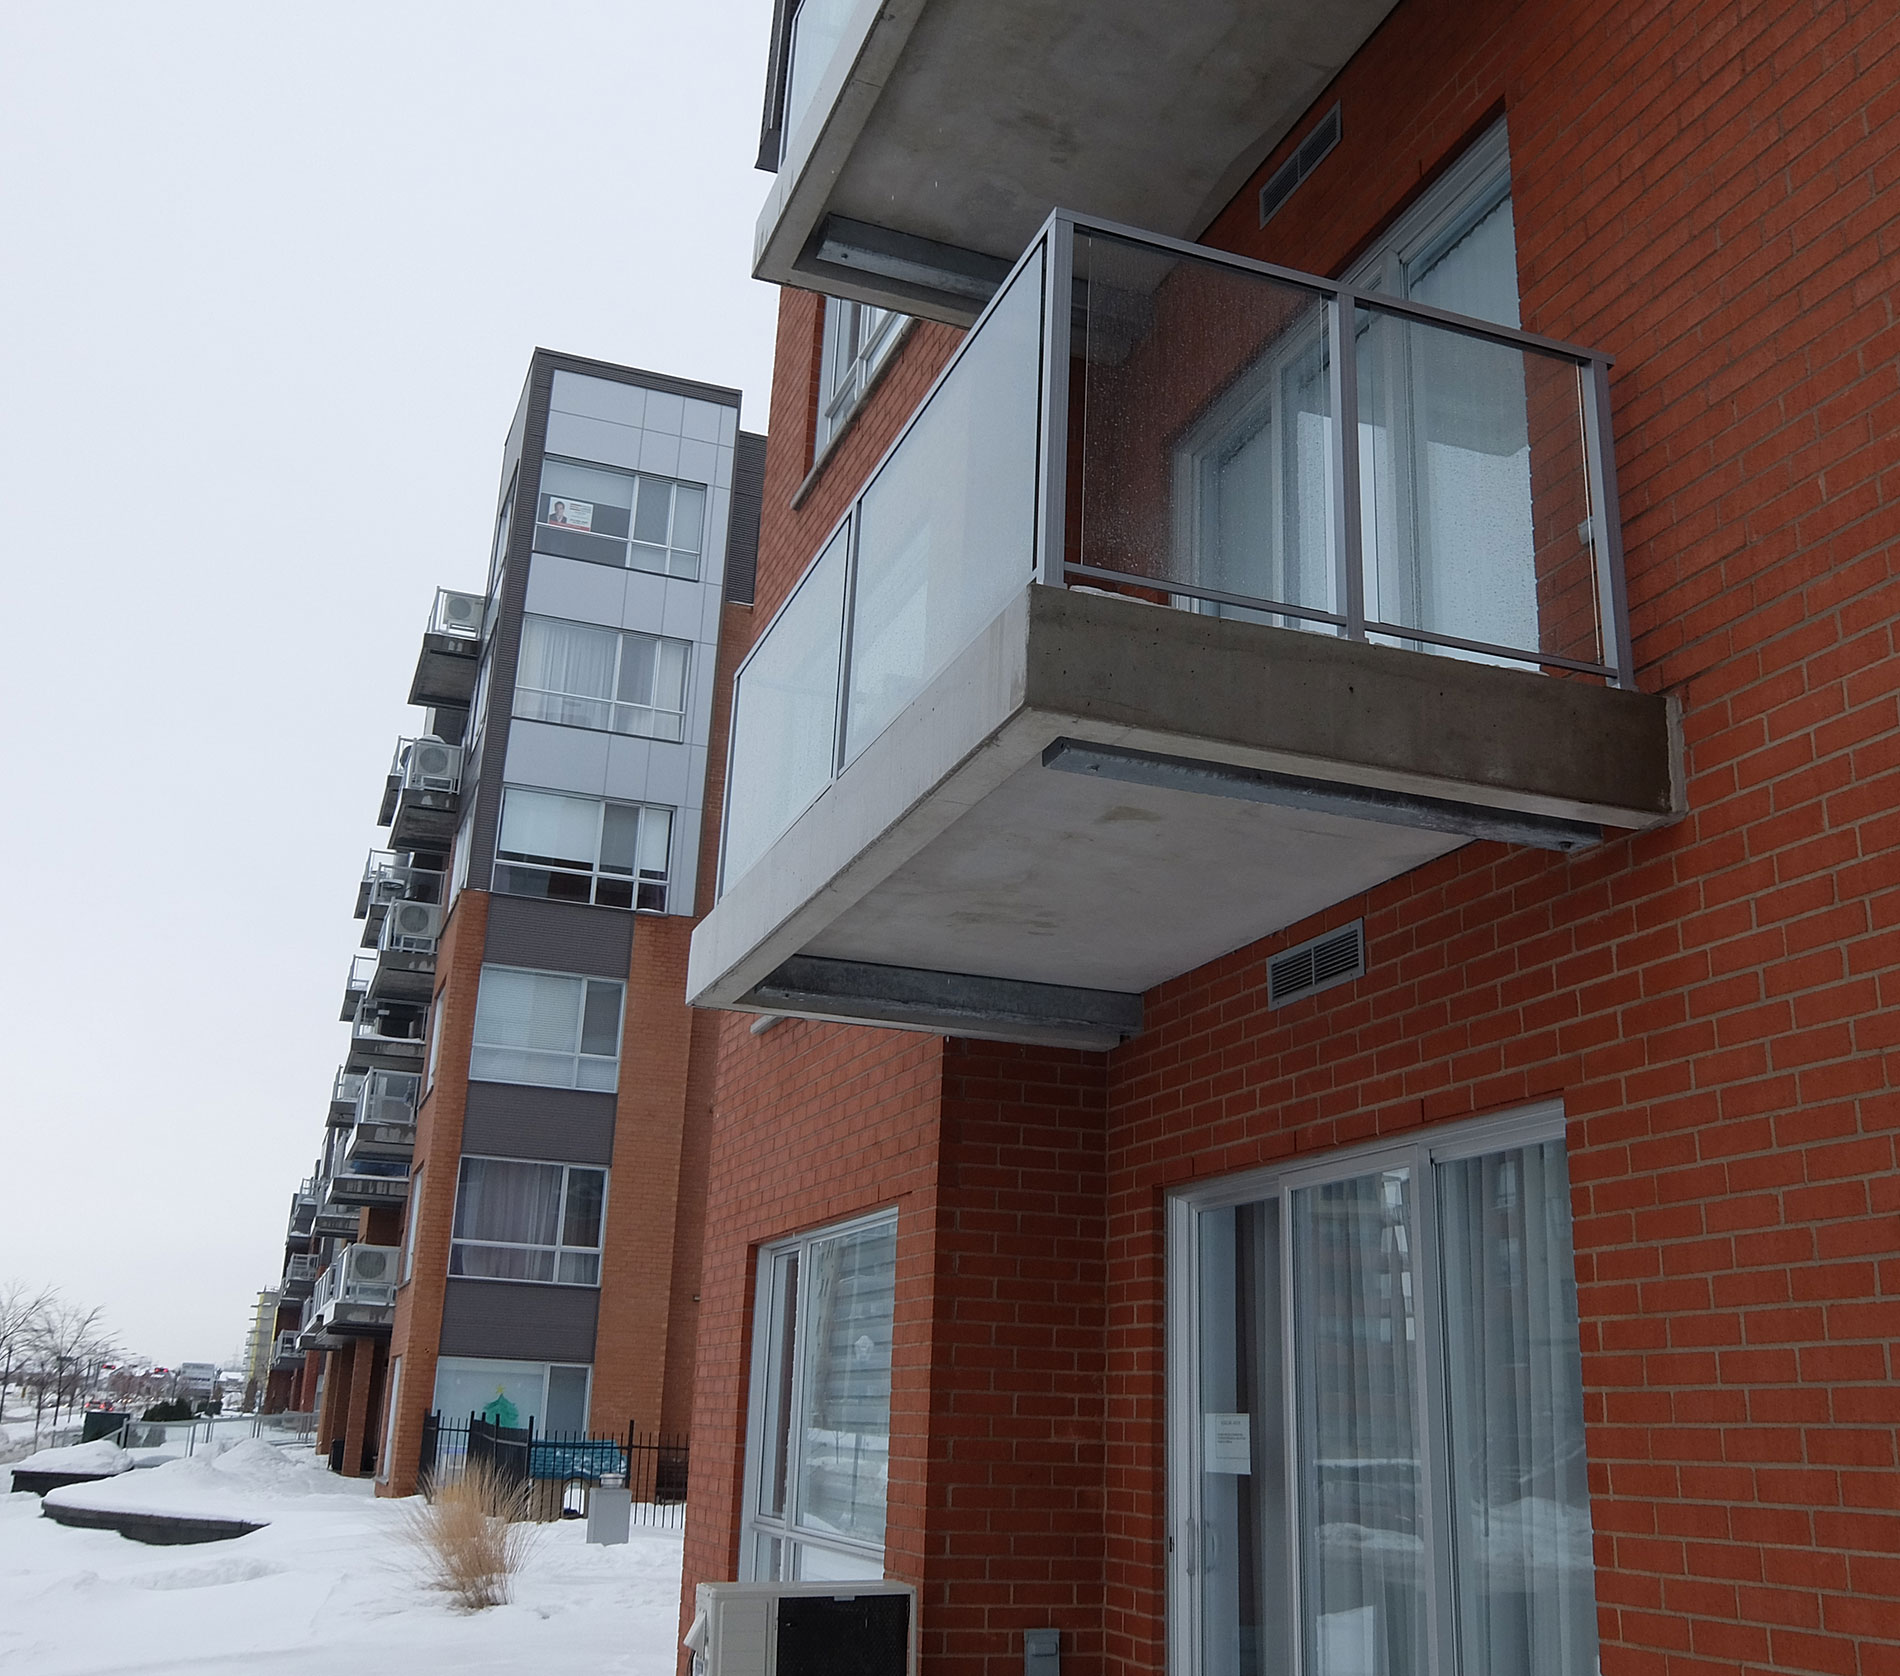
565 513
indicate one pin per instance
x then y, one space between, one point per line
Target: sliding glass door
1377 1464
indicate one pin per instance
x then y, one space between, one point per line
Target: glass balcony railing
1169 422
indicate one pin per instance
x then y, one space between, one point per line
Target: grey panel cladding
559 936
515 1120
748 504
516 1321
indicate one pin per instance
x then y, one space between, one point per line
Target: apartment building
506 1215
1311 841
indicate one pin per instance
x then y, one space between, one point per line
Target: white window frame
662 723
854 1559
582 980
642 881
558 1250
412 1215
435 1041
1422 1151
856 341
547 1376
386 1447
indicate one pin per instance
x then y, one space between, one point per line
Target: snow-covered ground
329 1585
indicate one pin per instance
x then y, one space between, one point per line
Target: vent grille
1338 957
1280 186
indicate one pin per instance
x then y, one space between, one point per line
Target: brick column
336 1399
362 1359
304 1392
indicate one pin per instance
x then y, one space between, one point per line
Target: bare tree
23 1313
68 1349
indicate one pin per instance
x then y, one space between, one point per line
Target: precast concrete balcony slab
1123 659
919 144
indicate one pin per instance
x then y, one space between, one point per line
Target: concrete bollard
609 1510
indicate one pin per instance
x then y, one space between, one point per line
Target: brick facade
1706 191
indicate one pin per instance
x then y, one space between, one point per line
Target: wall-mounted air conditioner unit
458 613
804 1629
369 1274
412 927
432 765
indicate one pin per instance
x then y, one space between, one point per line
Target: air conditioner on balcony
459 611
432 765
802 1629
413 926
373 1264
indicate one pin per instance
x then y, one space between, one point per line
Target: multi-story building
506 1214
1311 833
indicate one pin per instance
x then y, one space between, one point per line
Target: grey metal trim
955 1003
1342 325
1058 289
1327 797
960 276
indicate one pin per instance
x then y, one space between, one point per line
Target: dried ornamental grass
472 1535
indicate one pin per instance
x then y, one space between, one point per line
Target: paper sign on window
567 514
1228 1443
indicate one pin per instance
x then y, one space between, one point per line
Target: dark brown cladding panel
514 1120
514 1321
559 937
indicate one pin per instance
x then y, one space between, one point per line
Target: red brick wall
418 1327
1706 191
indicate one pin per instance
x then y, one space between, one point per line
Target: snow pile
101 1456
252 1480
329 1585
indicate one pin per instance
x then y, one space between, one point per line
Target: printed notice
568 514
1228 1443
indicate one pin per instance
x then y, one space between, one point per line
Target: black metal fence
561 1469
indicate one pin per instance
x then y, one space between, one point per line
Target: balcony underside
424 821
1098 795
944 131
445 672
403 975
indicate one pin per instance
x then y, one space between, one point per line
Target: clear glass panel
567 1399
845 1399
653 511
1244 1577
1206 429
1519 1492
689 517
656 841
817 31
620 838
1475 494
580 1214
780 1339
946 531
1356 1329
600 1022
784 713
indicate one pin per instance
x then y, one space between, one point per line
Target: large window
582 676
858 337
818 1447
620 518
583 849
547 1027
522 1221
1377 1462
550 1396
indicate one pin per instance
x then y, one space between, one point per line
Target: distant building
507 1205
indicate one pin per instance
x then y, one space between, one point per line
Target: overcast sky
269 280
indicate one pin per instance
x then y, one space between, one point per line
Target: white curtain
1520 1498
547 826
538 1010
568 659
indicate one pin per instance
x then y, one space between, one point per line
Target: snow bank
252 1480
101 1456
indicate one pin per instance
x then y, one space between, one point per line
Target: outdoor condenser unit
804 1629
433 765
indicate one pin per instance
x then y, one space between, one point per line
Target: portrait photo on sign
567 514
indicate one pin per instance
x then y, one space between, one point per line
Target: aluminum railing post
1342 326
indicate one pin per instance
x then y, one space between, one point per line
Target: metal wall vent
1303 162
1338 957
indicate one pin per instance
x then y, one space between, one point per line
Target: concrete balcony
385 1122
919 144
388 879
385 1035
356 1295
368 1181
451 652
304 1205
286 1352
421 795
404 962
338 1221
1124 658
345 1090
300 1274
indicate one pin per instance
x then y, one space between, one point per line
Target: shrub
173 1408
472 1535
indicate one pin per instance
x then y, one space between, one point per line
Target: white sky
269 279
